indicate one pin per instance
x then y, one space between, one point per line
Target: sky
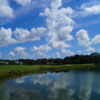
34 29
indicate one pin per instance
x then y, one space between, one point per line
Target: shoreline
13 71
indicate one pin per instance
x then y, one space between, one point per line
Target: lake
72 85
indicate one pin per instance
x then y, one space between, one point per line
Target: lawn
7 68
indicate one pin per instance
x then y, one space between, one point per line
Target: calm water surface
72 85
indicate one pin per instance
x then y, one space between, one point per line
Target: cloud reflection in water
73 85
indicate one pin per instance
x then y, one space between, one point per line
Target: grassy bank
9 71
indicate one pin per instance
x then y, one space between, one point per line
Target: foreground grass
10 71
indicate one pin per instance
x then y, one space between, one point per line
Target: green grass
8 68
10 71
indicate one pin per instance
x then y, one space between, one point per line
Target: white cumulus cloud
23 35
56 55
6 37
96 39
90 49
23 2
83 38
67 52
59 24
11 54
5 9
41 51
21 52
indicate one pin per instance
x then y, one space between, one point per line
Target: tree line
76 59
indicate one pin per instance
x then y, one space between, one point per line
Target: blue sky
32 29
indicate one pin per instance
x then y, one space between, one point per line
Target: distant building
4 63
21 63
17 62
50 63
